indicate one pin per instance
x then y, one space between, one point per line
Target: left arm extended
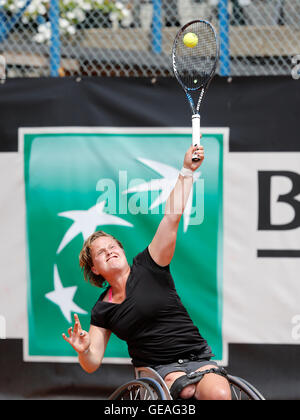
162 247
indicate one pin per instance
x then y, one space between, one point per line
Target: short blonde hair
86 261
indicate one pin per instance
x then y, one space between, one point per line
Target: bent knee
221 394
188 392
217 393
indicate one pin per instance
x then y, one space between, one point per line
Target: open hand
78 339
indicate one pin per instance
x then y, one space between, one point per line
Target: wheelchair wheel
147 389
242 390
157 389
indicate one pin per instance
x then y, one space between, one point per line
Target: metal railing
134 37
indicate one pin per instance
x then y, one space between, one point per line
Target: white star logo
165 185
64 298
86 222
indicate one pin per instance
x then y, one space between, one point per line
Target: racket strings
195 65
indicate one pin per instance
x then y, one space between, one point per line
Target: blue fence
134 37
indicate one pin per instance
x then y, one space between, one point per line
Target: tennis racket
194 63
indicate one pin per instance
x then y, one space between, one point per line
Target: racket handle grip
196 132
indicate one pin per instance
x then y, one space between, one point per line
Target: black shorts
182 365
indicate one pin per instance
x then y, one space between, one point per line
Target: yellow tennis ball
190 40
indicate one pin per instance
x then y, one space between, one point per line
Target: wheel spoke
234 391
138 391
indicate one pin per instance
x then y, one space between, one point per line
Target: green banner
82 180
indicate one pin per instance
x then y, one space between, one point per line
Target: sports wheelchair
150 386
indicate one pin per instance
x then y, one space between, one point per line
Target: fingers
198 148
77 326
198 152
65 338
77 330
68 339
194 152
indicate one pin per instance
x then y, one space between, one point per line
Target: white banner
13 304
261 293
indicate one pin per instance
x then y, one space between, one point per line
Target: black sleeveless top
152 319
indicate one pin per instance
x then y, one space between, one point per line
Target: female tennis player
141 305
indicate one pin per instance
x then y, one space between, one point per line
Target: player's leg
212 386
187 392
